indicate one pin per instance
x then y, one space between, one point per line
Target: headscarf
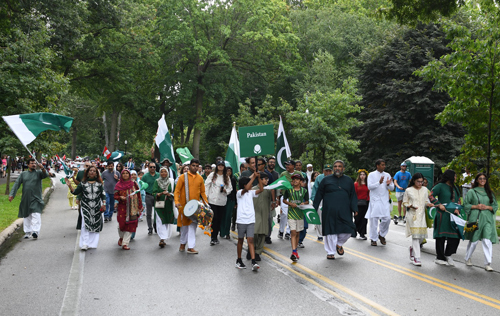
122 184
163 182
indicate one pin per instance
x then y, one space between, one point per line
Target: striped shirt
297 197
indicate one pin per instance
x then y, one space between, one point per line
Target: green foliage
400 108
413 11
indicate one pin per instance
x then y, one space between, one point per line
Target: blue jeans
110 205
303 232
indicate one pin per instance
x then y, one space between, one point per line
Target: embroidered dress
416 225
91 197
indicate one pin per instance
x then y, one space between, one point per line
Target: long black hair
416 176
449 175
225 177
486 186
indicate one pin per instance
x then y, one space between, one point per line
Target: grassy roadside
9 210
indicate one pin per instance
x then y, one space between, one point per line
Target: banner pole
34 156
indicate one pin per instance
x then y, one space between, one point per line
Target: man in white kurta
379 210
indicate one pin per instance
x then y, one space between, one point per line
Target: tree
470 74
415 11
399 108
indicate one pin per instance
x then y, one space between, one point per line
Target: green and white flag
282 149
310 214
164 143
28 126
184 154
280 184
233 151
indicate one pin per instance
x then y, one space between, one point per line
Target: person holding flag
163 190
340 203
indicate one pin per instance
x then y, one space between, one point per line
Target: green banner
256 140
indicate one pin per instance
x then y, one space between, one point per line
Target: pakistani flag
280 184
233 151
310 214
458 224
282 149
116 156
164 143
67 170
28 126
184 154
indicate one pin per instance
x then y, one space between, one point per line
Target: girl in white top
416 199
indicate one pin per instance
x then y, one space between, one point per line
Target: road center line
73 292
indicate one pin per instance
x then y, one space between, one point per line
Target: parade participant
363 195
129 208
246 217
140 174
309 173
196 188
183 170
207 170
243 167
134 176
163 190
71 197
150 179
271 164
262 206
379 210
340 203
251 162
217 187
31 205
92 205
444 232
298 167
130 165
110 178
314 175
167 163
466 186
416 199
78 176
293 198
230 207
481 206
327 171
401 180
290 170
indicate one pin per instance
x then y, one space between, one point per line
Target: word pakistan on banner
256 140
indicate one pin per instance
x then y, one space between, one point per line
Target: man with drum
196 189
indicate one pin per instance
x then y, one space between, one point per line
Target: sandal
126 247
120 242
340 250
330 257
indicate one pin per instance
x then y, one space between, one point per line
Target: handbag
160 204
473 226
362 202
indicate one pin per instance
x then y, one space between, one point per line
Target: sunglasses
261 164
152 167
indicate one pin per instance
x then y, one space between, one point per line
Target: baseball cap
290 162
297 176
327 167
403 164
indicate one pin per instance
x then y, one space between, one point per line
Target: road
51 276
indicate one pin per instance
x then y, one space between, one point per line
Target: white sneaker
441 262
469 262
488 268
416 262
85 247
450 261
27 236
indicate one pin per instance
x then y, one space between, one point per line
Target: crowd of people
241 202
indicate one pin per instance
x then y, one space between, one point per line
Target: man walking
271 164
130 165
262 206
401 180
379 210
31 205
340 204
150 179
327 171
110 178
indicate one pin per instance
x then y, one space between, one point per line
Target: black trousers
219 212
451 247
360 221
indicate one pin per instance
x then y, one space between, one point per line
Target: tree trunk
182 132
189 131
119 124
197 130
490 114
112 131
7 185
73 143
106 136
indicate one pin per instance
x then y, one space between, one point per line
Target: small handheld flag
310 214
106 153
280 184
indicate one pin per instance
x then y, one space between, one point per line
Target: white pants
332 241
376 229
319 228
188 235
284 217
87 238
164 231
487 249
32 223
125 236
415 243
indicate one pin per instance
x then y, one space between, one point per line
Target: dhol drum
193 210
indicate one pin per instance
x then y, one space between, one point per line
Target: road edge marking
72 295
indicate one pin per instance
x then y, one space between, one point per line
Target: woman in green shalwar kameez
163 190
480 205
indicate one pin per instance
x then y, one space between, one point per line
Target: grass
9 210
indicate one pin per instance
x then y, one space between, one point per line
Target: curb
7 232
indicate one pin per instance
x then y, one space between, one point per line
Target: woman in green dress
480 205
163 190
92 205
446 191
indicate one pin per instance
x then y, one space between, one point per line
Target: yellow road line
335 285
424 277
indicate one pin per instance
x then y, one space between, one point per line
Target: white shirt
379 195
246 212
214 195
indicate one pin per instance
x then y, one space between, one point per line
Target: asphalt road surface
51 276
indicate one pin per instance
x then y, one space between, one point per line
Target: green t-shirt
150 180
297 197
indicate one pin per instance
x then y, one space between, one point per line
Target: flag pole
34 157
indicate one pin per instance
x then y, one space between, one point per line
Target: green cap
328 167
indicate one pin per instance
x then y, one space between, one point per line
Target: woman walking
416 199
230 206
71 197
363 201
129 208
217 187
93 203
446 192
163 191
481 206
